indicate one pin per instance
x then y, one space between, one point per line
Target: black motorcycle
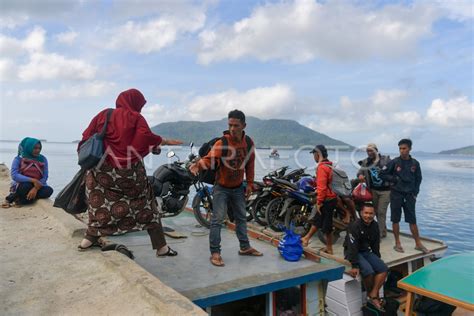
171 183
273 210
260 197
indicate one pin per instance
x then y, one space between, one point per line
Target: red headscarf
128 137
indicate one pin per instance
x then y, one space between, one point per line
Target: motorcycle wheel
271 214
202 210
258 210
294 215
336 234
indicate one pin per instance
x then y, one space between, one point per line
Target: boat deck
390 256
191 273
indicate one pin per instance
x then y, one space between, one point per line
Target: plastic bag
72 198
290 246
361 193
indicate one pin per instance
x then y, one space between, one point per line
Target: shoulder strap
225 144
249 142
104 129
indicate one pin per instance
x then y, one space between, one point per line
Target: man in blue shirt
404 174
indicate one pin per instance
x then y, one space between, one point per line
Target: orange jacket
323 182
231 169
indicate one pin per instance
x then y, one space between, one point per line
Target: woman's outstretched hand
171 142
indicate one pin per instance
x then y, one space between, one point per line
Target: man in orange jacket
326 199
229 184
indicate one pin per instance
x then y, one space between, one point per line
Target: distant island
265 133
468 150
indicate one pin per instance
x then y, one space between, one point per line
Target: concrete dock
42 273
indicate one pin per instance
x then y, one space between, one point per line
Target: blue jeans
369 264
220 199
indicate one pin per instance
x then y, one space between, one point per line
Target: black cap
321 149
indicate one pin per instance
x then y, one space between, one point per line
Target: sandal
398 249
217 260
6 205
325 250
378 305
250 252
169 253
95 242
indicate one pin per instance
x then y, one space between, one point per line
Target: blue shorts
369 264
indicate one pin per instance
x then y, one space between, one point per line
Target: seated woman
29 173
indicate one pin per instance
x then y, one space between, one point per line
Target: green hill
468 150
265 133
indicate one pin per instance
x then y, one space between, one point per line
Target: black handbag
72 198
92 150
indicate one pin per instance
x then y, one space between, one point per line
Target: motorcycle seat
285 183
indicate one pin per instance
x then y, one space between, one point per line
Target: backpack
340 182
209 175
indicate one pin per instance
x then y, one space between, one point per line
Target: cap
321 149
372 146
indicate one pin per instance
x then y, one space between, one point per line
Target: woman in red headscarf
119 195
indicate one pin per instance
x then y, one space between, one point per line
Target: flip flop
423 249
95 242
218 262
398 249
250 252
175 234
93 245
371 300
6 205
169 253
325 250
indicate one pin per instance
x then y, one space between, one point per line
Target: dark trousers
156 234
22 191
157 237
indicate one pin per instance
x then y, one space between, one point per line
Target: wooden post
408 304
315 296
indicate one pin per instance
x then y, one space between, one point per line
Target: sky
358 71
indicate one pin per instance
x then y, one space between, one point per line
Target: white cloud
275 101
67 38
381 110
458 112
154 35
411 118
90 89
461 10
55 66
7 70
39 64
386 100
33 42
158 113
303 30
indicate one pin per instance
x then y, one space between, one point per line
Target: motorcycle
298 208
273 210
170 183
261 196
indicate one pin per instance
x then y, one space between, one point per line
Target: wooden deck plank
390 256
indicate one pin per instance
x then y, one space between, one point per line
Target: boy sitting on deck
362 249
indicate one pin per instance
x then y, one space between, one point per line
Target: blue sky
360 71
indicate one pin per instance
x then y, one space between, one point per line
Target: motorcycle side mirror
191 145
170 154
